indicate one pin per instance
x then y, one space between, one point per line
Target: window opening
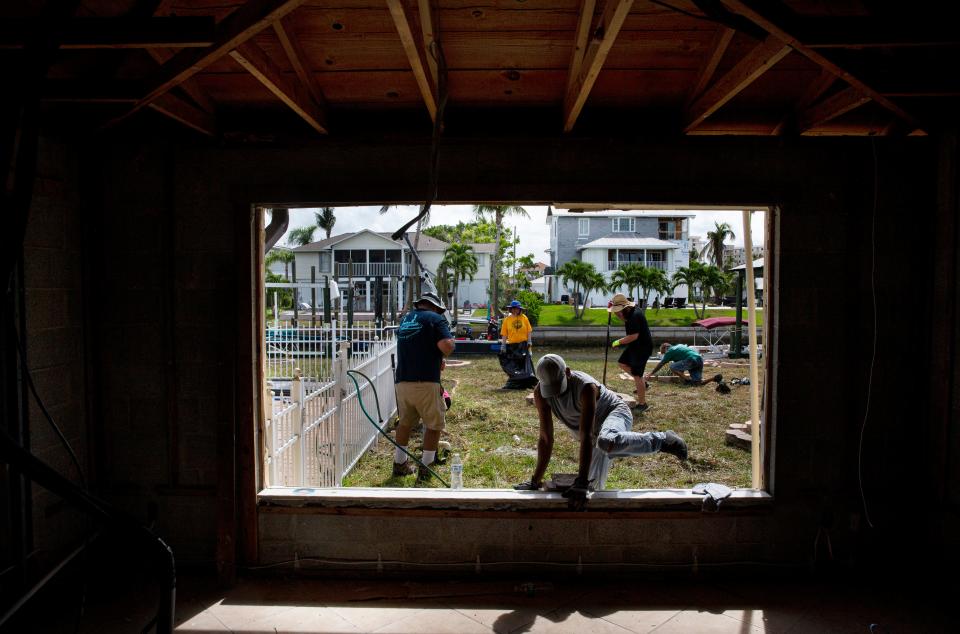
315 431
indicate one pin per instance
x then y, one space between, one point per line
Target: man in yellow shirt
516 340
516 328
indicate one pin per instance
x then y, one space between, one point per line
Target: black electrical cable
21 351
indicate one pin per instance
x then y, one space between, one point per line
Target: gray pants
615 440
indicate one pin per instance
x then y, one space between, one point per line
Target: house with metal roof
610 238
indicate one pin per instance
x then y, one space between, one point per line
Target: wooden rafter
770 26
291 46
721 40
614 14
426 29
584 21
232 31
831 108
190 116
814 91
292 93
163 55
114 33
758 61
416 59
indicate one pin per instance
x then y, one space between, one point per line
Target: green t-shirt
680 352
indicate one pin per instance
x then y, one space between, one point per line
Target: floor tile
202 623
574 622
501 620
372 616
703 623
435 621
635 620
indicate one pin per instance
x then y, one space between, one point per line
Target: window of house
583 226
624 225
671 228
324 262
481 259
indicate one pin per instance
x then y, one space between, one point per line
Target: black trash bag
517 362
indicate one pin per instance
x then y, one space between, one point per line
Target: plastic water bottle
456 472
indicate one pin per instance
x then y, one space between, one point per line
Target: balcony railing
654 264
368 269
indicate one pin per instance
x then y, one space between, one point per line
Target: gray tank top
566 406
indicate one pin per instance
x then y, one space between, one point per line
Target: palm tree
325 219
583 277
628 275
651 280
301 236
692 277
715 280
280 255
460 262
595 282
715 238
499 212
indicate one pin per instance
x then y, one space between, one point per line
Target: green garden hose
379 427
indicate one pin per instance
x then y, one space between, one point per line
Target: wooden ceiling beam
292 93
831 108
415 57
814 91
114 33
163 55
584 22
604 35
426 30
770 25
235 29
291 46
721 40
754 64
187 114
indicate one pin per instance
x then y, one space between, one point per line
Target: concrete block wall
169 374
55 332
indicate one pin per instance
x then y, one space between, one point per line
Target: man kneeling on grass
598 417
684 359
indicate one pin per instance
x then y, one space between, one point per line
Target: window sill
624 500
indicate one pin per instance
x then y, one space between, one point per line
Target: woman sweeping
638 342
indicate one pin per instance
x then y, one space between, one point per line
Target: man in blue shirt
423 341
684 360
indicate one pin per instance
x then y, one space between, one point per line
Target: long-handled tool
606 345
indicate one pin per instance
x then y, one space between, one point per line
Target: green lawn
495 432
563 316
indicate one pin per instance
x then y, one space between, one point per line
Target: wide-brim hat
514 304
618 303
433 299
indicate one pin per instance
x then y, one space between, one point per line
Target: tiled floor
577 606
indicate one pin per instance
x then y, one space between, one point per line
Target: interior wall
54 310
175 341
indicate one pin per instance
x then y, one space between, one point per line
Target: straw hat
619 302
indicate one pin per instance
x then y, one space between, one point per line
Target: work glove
529 485
615 344
576 494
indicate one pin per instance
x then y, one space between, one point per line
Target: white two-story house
610 238
366 256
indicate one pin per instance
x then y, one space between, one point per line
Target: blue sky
534 232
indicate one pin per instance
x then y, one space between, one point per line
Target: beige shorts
421 400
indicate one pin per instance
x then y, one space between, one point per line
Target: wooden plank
426 30
179 110
748 70
767 24
291 45
584 22
718 47
163 55
831 108
614 13
234 30
294 94
114 33
414 56
814 91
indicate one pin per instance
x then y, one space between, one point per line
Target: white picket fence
315 429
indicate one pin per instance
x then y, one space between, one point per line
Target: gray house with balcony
366 256
611 238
